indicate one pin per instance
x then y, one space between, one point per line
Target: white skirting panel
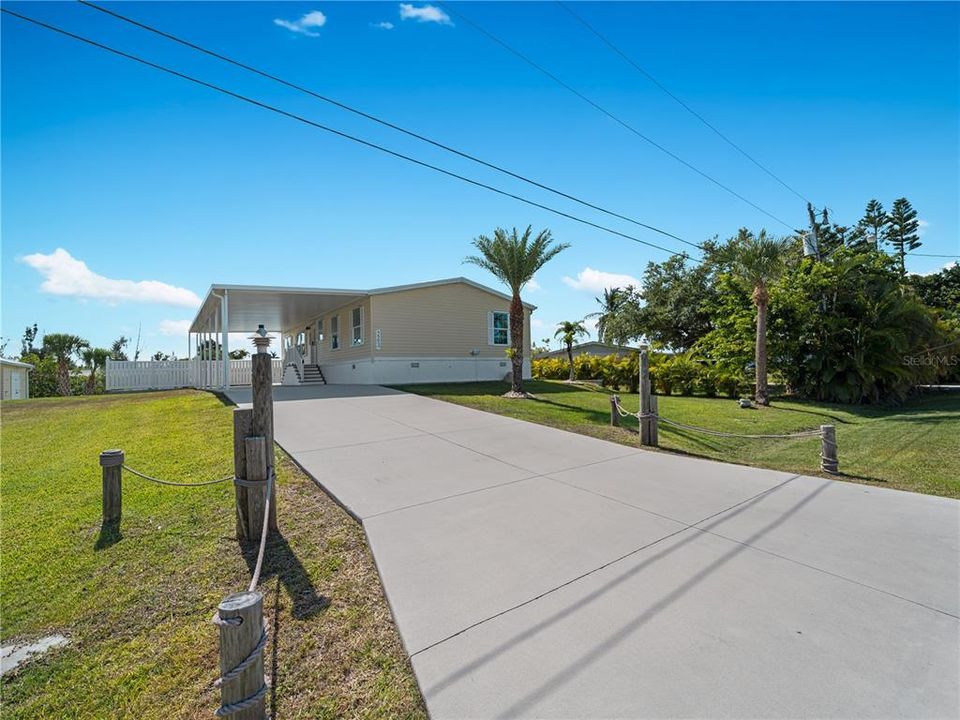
401 371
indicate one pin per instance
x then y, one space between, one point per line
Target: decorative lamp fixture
261 339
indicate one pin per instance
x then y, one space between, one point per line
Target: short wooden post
614 413
828 449
240 619
242 419
112 463
256 449
654 422
645 392
262 423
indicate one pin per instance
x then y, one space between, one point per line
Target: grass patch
137 607
911 447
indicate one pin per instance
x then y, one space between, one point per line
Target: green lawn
137 609
913 447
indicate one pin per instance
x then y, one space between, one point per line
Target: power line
381 121
339 133
612 116
682 104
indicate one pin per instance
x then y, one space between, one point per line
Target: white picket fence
171 374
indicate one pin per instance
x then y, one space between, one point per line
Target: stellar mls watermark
931 358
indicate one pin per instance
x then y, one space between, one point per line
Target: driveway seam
695 526
601 567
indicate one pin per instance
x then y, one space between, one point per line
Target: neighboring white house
16 379
589 348
441 331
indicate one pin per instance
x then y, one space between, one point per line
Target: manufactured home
15 377
451 330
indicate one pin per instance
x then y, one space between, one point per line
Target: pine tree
869 230
901 230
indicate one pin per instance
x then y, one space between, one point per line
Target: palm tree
94 359
513 260
568 331
62 346
757 261
613 299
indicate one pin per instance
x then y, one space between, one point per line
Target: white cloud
424 13
174 327
383 25
532 285
305 25
922 226
65 275
598 280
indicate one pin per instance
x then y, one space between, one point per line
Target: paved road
541 574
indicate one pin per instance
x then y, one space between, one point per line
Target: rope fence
175 484
826 433
235 672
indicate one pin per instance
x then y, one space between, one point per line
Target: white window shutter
490 328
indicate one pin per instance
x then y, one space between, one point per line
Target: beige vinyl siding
442 321
346 351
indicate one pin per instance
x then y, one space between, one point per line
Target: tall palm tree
568 331
63 346
94 359
514 259
757 261
610 303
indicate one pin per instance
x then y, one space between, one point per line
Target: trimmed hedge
683 374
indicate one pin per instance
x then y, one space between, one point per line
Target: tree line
843 322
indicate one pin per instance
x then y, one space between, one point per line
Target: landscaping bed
136 608
909 447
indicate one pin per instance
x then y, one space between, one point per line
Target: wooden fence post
112 461
614 413
257 470
645 424
242 419
828 449
262 423
240 619
654 421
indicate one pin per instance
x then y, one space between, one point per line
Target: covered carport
243 308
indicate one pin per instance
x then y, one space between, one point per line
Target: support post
242 420
256 451
112 463
828 449
240 619
225 339
645 424
262 382
614 413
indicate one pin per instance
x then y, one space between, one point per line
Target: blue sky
145 179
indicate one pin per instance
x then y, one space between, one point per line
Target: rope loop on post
242 704
251 658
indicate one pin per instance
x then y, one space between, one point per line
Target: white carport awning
276 308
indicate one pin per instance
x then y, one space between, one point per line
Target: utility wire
606 41
611 115
339 133
381 121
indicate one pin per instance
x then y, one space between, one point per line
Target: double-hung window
356 318
334 332
498 325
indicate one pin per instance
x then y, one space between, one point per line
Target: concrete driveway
541 574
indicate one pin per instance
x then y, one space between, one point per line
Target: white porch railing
293 356
171 374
